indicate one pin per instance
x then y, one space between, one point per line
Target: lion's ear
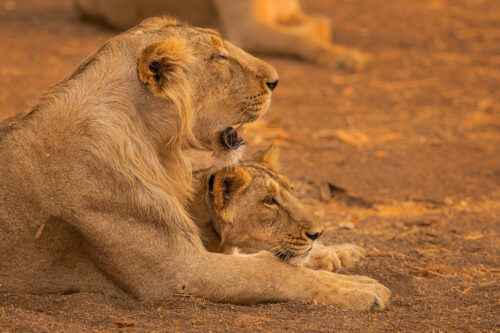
161 65
227 184
268 156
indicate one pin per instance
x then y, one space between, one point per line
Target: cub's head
254 207
216 85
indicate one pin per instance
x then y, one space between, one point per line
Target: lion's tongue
229 139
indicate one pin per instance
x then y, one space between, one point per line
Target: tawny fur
262 26
99 167
229 206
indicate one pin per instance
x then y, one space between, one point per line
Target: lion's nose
272 85
315 235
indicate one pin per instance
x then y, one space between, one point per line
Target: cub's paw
323 258
353 292
350 255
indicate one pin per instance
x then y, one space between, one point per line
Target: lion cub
251 207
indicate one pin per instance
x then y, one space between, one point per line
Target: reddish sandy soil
416 135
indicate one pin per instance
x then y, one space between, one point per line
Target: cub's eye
269 200
219 56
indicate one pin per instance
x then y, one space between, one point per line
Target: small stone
9 5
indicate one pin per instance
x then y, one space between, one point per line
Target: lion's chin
297 259
225 158
230 137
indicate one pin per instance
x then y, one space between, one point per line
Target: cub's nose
272 85
315 235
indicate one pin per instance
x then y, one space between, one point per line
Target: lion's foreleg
150 262
243 279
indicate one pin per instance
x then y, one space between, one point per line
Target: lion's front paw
353 292
350 255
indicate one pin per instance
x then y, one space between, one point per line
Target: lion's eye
269 200
219 56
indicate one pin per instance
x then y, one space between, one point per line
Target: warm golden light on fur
101 163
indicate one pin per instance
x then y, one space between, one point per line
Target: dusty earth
413 140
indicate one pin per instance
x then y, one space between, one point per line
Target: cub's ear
227 184
267 156
161 65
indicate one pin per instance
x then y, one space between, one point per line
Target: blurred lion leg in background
281 27
124 14
261 26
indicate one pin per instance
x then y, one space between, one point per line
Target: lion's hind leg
297 41
312 27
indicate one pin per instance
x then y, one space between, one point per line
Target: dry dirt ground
413 140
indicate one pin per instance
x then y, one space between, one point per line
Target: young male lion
250 206
94 180
265 26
